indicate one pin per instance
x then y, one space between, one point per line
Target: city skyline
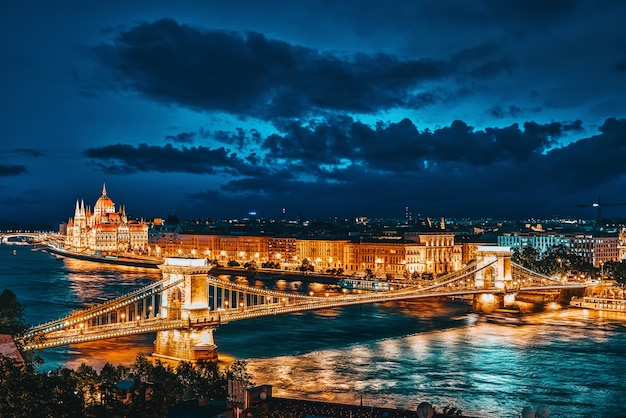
351 109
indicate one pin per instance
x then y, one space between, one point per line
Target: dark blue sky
324 108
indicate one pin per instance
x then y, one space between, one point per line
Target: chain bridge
188 304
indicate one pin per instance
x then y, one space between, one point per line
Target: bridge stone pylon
187 301
493 266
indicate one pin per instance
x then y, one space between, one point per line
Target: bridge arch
493 266
25 237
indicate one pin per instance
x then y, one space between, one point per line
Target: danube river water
389 355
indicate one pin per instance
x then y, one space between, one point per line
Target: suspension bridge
188 304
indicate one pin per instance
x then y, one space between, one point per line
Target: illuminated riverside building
593 248
434 253
541 242
240 248
381 257
596 249
243 248
104 229
323 254
283 250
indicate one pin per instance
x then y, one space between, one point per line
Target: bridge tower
188 302
493 271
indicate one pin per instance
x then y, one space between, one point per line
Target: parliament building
104 230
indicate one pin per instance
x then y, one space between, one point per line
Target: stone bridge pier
188 302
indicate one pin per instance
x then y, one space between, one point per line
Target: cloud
127 159
182 138
589 162
7 170
27 152
401 146
340 164
249 75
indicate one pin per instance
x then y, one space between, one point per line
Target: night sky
323 108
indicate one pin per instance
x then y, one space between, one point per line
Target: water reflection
500 366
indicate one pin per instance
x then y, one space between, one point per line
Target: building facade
431 253
596 249
542 242
105 230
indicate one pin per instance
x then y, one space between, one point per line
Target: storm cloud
252 75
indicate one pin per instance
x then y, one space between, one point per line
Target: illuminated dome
104 204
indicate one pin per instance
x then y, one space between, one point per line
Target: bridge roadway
74 329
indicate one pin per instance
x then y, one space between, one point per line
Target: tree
616 271
59 395
527 257
18 386
87 380
306 264
238 370
109 376
11 314
213 383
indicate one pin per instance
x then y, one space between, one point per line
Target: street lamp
601 270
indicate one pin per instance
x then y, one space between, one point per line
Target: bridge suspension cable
533 275
103 308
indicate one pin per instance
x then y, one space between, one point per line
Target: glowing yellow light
487 297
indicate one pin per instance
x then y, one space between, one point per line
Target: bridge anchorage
188 304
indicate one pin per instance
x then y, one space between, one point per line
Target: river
392 354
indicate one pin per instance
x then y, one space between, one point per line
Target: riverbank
127 261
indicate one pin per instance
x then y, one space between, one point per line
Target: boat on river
362 283
599 303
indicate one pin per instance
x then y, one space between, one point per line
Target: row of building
434 253
105 230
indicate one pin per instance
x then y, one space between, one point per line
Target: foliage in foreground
86 393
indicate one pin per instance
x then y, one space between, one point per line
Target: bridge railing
75 335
